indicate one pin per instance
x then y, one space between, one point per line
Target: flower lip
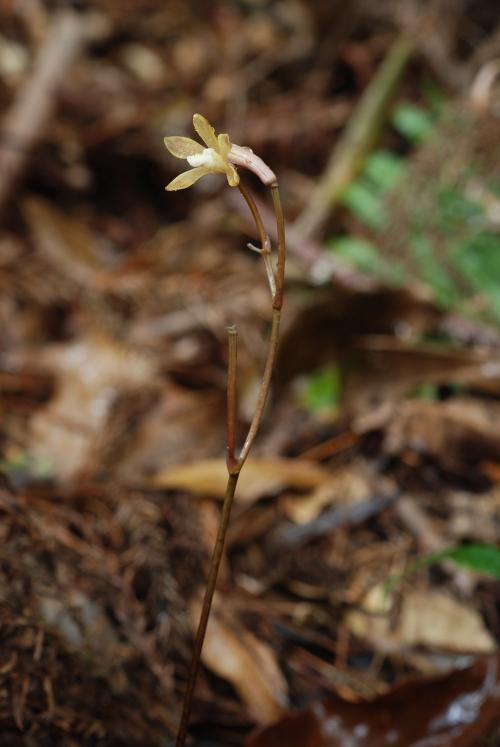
208 157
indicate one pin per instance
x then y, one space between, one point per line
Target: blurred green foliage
358 251
480 558
448 241
484 559
323 389
415 123
433 227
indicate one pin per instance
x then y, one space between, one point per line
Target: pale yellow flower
212 159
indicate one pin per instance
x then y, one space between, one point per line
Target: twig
356 140
276 278
30 111
294 536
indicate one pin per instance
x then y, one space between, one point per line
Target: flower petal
182 147
205 131
187 178
224 145
233 178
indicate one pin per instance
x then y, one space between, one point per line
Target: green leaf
324 389
414 123
434 96
362 199
494 186
481 558
426 391
455 210
431 270
478 258
359 252
364 255
385 169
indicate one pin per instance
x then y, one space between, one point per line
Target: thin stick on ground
24 123
276 277
355 142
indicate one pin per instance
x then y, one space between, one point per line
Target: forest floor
362 562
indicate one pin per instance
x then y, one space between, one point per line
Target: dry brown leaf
457 430
384 369
236 655
459 709
183 422
433 619
70 246
66 243
258 477
346 486
90 374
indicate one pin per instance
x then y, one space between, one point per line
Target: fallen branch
294 536
25 121
356 140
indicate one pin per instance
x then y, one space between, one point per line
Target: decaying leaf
461 429
384 369
432 618
346 486
90 375
67 244
259 477
247 663
182 423
461 709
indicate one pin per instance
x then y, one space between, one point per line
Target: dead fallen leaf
454 431
183 422
460 709
320 332
383 369
247 663
70 246
433 619
345 486
90 375
258 477
66 243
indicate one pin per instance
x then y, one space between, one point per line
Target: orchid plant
217 155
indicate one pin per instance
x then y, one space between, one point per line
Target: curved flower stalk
220 157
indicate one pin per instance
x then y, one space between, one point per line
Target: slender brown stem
265 248
264 388
274 338
280 227
231 397
276 282
264 238
206 607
